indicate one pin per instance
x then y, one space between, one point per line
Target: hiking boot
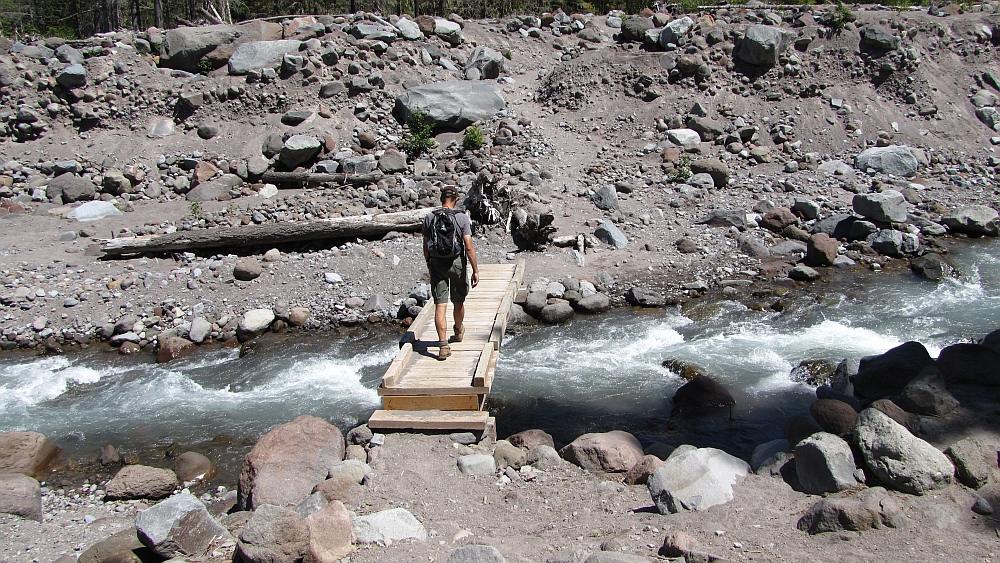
459 333
444 351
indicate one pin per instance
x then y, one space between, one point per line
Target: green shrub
839 17
417 139
683 172
473 139
206 66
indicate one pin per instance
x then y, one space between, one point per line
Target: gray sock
442 343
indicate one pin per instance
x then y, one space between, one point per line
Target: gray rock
255 55
675 31
827 392
824 464
70 188
870 509
375 303
487 61
899 459
725 218
273 535
888 206
927 394
766 451
634 28
476 554
609 234
931 266
970 466
990 116
161 128
312 503
642 297
200 329
392 161
451 105
178 526
895 159
593 304
299 149
801 272
351 468
295 117
752 245
389 526
73 76
615 557
982 506
893 243
331 89
20 495
448 31
212 189
763 45
684 137
364 164
878 38
970 219
247 269
141 482
409 30
207 130
67 54
695 480
543 457
605 198
253 323
556 313
184 47
477 464
888 373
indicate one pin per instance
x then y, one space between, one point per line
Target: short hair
449 192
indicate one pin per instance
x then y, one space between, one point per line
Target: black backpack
445 239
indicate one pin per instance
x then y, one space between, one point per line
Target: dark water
592 374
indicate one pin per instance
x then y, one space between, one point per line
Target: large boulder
29 453
718 170
528 439
285 465
184 47
556 313
974 220
608 233
675 31
891 242
70 188
73 76
973 364
451 105
212 189
895 159
888 206
255 55
695 479
879 38
253 323
448 31
299 149
888 373
824 464
870 509
763 45
634 28
20 495
331 533
970 465
609 452
388 526
178 526
273 535
835 417
193 466
702 392
141 482
927 394
899 459
488 61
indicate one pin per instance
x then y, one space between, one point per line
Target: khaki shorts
448 274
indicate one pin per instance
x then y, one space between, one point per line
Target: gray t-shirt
464 224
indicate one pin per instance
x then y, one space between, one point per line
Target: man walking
448 250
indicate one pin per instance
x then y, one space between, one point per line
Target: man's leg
441 321
459 316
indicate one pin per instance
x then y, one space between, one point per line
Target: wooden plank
424 402
519 270
396 367
522 295
425 313
429 420
479 377
435 390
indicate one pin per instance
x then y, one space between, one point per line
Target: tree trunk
158 13
318 178
275 233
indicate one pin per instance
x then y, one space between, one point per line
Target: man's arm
470 251
427 251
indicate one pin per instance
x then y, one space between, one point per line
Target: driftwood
274 233
319 178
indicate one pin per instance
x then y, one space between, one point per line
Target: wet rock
20 495
452 105
824 464
894 159
641 297
29 453
798 427
931 266
763 45
695 480
141 482
331 534
702 392
193 466
870 509
173 347
273 535
835 417
888 206
609 452
178 526
972 364
389 526
899 459
888 373
804 273
926 394
285 465
976 220
109 456
970 466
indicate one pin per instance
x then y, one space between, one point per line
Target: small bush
417 139
683 172
839 17
473 139
195 210
205 66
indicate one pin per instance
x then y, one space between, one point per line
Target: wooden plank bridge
422 393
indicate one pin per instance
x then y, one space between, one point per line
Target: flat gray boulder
899 459
675 31
897 160
824 464
178 526
20 495
388 526
695 479
888 206
184 47
608 233
298 149
971 219
212 189
255 55
763 45
70 188
451 105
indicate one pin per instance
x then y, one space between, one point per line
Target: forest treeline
81 18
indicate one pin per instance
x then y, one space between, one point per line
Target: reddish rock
777 219
29 453
610 452
640 472
531 438
141 482
331 534
172 348
203 172
678 544
340 488
285 465
821 250
835 417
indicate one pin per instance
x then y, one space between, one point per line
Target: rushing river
592 374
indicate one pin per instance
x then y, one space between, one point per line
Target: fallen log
320 178
273 233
